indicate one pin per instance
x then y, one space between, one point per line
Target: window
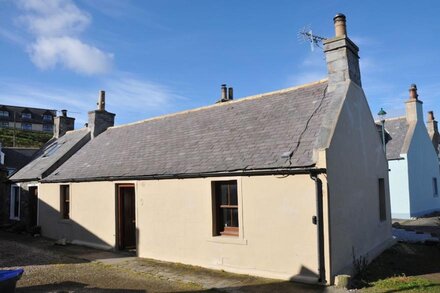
47 117
4 124
434 186
4 113
14 212
225 208
26 116
26 126
382 201
65 201
47 127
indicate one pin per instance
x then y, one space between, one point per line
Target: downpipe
319 221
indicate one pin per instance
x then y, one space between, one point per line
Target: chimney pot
101 101
413 92
64 112
230 93
224 96
431 116
340 25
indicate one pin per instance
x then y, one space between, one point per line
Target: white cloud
46 53
129 97
56 26
53 17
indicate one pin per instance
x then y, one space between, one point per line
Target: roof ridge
263 95
391 119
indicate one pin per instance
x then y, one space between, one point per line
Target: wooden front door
126 216
33 205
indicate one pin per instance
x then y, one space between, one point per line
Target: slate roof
52 154
36 114
16 158
397 129
246 134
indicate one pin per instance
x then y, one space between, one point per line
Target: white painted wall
355 162
399 188
277 238
422 167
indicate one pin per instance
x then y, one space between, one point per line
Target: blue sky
163 56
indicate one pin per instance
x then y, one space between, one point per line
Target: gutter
319 221
265 172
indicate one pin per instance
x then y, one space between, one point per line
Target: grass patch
24 138
404 284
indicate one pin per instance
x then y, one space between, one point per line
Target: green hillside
24 138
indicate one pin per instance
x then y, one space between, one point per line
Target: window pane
233 196
224 194
16 202
382 202
230 217
234 221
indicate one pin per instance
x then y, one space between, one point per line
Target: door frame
119 222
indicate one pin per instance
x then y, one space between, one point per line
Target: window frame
217 209
435 186
65 205
26 116
4 113
12 203
47 127
382 199
47 118
25 128
4 124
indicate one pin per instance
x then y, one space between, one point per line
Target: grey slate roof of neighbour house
397 129
16 157
37 114
246 134
52 154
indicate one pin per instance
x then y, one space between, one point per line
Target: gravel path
51 268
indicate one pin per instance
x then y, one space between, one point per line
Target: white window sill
228 240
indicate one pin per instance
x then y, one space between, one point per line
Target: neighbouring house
290 184
413 161
16 158
22 202
27 118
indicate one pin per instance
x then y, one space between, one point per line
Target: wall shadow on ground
70 287
282 286
22 249
404 259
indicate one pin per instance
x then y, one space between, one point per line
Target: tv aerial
306 35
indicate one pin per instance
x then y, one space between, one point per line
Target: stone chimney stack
414 110
341 55
433 131
100 119
62 124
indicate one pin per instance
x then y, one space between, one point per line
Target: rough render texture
62 125
342 60
353 171
99 121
